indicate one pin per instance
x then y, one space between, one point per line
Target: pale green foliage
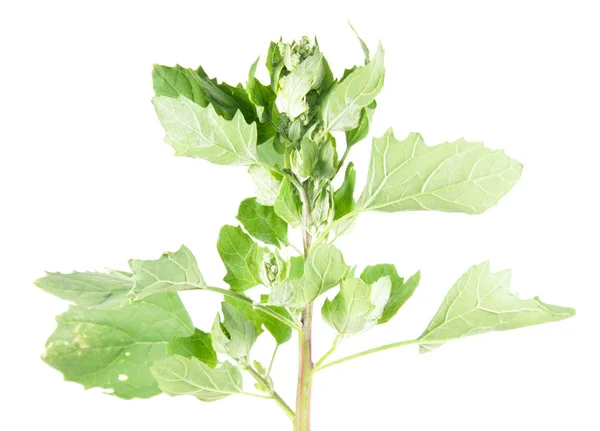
129 332
177 375
480 301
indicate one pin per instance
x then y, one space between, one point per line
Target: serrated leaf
401 290
346 99
343 198
308 75
177 375
364 124
324 268
267 185
358 306
262 223
236 335
480 301
88 289
288 205
455 176
198 345
172 272
239 254
114 349
195 131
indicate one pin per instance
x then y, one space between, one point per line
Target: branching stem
273 394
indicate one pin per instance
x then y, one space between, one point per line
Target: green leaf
288 205
195 131
236 335
455 176
308 75
269 155
327 160
199 346
344 103
88 289
114 349
358 306
177 375
239 254
364 123
343 197
267 185
401 291
480 301
274 64
262 223
176 81
172 272
363 45
259 95
324 268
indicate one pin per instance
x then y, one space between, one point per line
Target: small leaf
269 155
236 335
172 272
455 176
479 302
195 131
274 64
262 223
239 254
343 197
260 95
198 346
267 185
363 45
176 81
346 99
88 289
401 291
177 375
114 349
288 205
364 124
358 306
279 330
324 268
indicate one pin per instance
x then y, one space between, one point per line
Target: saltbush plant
128 331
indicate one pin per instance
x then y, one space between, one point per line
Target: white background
86 183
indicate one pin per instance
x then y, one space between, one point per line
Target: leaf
88 289
267 186
258 94
172 272
177 375
401 291
363 45
274 64
269 155
279 330
308 75
344 103
358 306
480 301
364 123
262 223
343 197
288 205
455 176
236 335
239 254
198 345
324 268
175 81
194 131
114 349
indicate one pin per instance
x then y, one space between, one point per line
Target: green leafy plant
128 331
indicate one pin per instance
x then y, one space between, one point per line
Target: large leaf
198 345
455 176
236 335
401 290
308 75
170 273
345 101
358 306
88 289
177 375
480 301
324 268
114 349
195 131
262 223
239 254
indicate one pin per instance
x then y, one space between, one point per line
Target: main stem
305 363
